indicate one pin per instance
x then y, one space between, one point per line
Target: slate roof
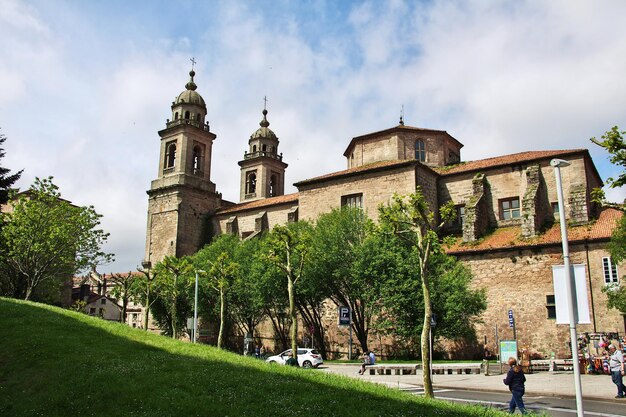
510 237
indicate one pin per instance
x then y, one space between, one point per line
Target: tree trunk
293 317
425 341
220 335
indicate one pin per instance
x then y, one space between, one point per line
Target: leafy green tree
46 239
411 219
340 271
123 289
616 296
246 297
288 249
613 142
143 292
172 306
218 262
6 178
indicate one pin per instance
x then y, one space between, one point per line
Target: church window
253 148
509 208
198 117
170 155
272 190
610 271
551 307
176 116
197 159
354 200
264 148
420 150
251 182
186 115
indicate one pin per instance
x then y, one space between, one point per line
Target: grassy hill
55 362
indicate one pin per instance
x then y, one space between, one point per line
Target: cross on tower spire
193 62
265 103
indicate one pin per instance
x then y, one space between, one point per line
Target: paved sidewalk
558 384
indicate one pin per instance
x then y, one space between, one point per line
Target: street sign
344 316
511 319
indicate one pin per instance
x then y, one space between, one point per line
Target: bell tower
182 195
262 167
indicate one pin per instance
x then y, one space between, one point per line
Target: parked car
307 358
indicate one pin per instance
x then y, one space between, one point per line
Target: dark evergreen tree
6 178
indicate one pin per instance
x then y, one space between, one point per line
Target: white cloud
85 88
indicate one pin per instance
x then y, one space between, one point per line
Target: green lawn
55 362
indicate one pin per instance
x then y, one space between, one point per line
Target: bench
440 368
551 365
397 369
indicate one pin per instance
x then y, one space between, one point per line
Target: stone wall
520 280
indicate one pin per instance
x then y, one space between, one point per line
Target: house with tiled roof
506 229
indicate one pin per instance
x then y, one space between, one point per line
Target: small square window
555 209
509 208
354 200
103 301
92 311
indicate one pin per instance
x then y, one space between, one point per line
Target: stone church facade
507 213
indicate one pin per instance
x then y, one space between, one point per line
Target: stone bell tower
262 167
182 195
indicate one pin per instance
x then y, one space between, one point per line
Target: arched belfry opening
262 158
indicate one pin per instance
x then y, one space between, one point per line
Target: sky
86 85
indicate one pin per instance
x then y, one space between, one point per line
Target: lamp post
195 309
558 164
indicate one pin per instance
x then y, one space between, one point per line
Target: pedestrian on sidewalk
515 379
616 365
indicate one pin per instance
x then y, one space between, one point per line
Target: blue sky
86 85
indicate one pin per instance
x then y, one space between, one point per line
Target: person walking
515 380
616 365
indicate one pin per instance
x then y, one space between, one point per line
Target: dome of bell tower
264 131
190 96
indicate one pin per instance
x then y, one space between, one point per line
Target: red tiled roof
265 202
358 170
510 237
505 160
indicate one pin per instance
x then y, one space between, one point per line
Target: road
554 406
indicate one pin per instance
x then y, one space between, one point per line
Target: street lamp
558 164
195 309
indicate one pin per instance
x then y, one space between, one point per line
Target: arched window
176 116
251 183
198 117
272 190
420 150
170 155
253 148
186 115
264 148
197 159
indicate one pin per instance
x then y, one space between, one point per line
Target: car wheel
307 364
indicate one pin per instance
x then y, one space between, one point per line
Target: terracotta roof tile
265 202
505 160
358 170
510 237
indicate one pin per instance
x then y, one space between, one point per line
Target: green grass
56 362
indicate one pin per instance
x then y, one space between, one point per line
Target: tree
123 290
6 179
613 142
143 292
411 219
218 260
288 249
45 238
171 285
340 267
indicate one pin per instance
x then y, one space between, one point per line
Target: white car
307 358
